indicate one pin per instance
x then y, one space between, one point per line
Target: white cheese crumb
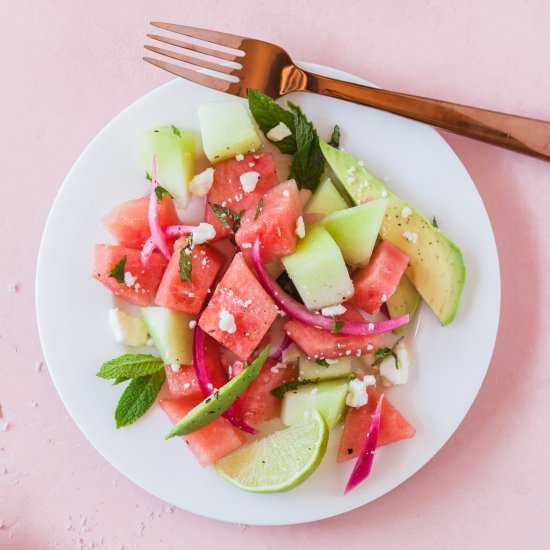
333 310
286 193
388 368
249 180
186 386
370 347
129 279
291 353
279 132
314 391
175 367
201 183
300 227
331 361
357 391
251 164
227 322
406 212
205 232
192 324
360 163
12 288
3 425
384 297
246 245
239 157
149 342
410 236
371 326
210 386
130 331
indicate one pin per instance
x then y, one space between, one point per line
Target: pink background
68 67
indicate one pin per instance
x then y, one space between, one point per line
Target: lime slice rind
280 461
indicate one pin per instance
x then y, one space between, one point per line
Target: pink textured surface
69 67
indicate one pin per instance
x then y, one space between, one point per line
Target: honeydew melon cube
171 334
311 370
318 270
329 398
355 230
325 200
227 130
175 152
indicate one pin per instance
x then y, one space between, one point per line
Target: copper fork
239 63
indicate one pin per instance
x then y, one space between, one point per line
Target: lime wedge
279 461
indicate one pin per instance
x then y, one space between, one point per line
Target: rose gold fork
270 69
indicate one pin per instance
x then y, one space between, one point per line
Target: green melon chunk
171 334
318 270
175 151
227 130
313 370
355 230
436 266
216 404
403 301
329 398
325 200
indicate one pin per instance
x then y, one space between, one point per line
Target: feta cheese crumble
410 236
201 183
130 331
286 193
129 279
175 367
227 322
406 212
300 227
357 391
239 157
391 375
246 245
279 132
192 324
333 310
203 233
249 180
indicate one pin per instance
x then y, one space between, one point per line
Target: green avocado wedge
436 267
216 404
403 301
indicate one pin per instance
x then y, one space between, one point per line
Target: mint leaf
160 192
221 215
259 209
118 270
268 114
335 138
434 222
130 366
176 131
148 176
308 163
225 214
338 325
120 379
186 261
383 353
138 397
322 362
281 390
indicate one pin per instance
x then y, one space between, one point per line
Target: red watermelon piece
146 282
378 280
393 426
128 222
209 444
275 224
317 343
227 189
240 294
190 296
257 404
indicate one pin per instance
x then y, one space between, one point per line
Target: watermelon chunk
393 426
275 224
378 280
318 344
128 222
184 383
241 295
144 282
257 404
190 296
209 444
228 191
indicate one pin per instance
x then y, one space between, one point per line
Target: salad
287 301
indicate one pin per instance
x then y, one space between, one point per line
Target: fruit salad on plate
289 300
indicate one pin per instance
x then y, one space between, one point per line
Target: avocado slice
218 402
403 301
436 267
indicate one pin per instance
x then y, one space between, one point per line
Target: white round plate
76 338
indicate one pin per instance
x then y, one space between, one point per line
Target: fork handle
521 134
